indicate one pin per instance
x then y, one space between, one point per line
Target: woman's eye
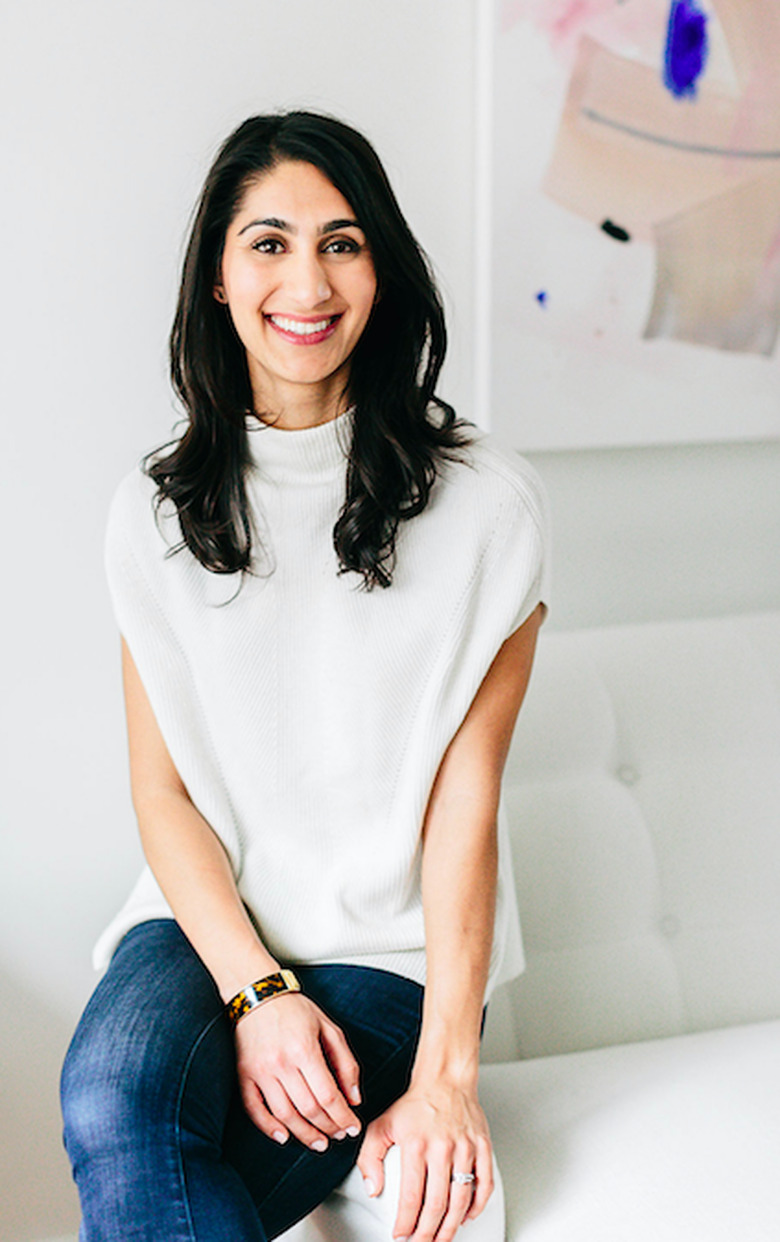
268 245
342 245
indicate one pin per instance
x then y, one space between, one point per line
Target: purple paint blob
685 56
541 297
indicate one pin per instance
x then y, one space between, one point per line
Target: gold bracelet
258 993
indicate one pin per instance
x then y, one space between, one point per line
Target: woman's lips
304 331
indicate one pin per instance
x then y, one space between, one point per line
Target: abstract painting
635 220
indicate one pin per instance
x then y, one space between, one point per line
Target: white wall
112 113
650 534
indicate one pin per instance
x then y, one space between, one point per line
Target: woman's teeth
301 329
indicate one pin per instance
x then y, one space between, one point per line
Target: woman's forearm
194 873
460 864
459 894
185 855
438 1122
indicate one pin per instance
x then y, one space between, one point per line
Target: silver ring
463 1179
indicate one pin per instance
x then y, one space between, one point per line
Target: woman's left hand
441 1130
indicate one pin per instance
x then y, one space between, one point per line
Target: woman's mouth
304 331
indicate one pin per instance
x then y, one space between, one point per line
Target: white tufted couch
637 1098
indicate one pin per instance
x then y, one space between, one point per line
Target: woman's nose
307 280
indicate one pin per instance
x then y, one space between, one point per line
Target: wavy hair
397 449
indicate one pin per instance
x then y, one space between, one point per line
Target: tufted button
669 926
627 774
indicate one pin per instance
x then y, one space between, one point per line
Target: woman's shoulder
495 477
494 517
135 519
132 492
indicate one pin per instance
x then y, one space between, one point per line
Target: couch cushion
643 794
674 1140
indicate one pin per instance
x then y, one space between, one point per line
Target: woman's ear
219 293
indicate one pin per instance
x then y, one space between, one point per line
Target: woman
328 591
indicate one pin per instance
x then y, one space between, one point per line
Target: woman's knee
103 1101
137 1043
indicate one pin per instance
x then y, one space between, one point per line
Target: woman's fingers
435 1202
284 1109
309 1104
260 1115
460 1194
432 1205
483 1186
327 1096
342 1062
412 1191
371 1160
314 1093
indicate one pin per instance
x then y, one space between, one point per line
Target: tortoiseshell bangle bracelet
258 993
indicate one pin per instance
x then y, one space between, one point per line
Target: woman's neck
293 407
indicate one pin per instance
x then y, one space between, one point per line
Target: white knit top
307 716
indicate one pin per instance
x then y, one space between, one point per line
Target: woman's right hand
296 1073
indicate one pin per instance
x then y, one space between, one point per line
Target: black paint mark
614 230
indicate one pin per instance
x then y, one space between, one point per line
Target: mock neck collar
303 452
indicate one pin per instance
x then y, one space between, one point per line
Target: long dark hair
397 449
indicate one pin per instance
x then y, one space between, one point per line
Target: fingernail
369 1185
280 1136
340 1134
320 1145
354 1095
353 1131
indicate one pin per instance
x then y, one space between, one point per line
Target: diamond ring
462 1179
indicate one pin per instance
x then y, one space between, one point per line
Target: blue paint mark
541 297
687 47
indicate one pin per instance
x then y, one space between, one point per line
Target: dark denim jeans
161 1148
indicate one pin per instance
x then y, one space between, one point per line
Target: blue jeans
161 1148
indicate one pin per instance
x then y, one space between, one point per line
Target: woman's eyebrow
334 225
273 222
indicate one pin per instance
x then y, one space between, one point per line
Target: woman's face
299 282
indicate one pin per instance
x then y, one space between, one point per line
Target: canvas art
635 231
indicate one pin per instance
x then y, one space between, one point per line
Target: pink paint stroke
562 20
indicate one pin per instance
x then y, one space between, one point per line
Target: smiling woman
392 369
297 983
